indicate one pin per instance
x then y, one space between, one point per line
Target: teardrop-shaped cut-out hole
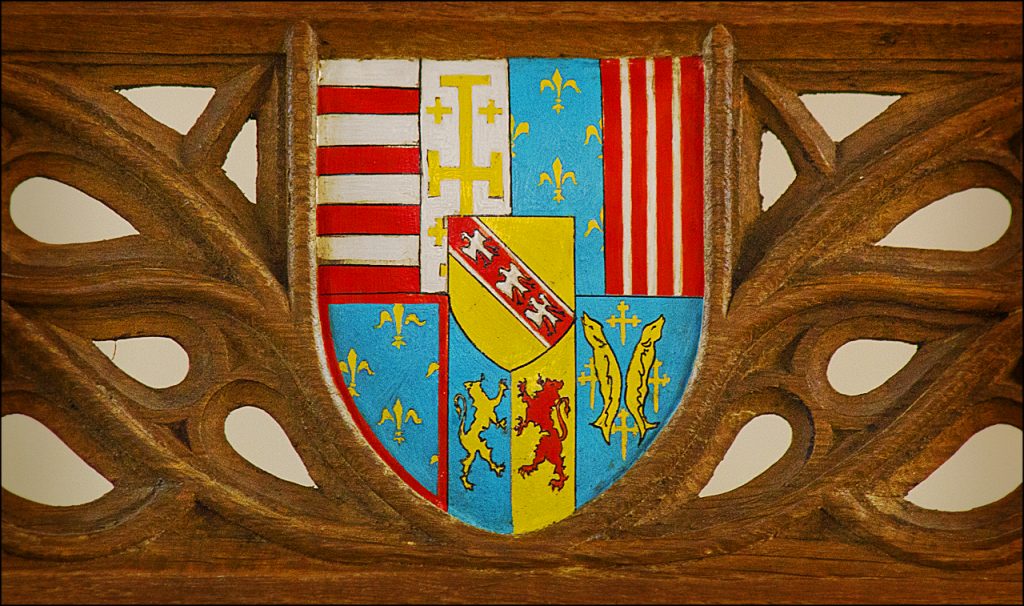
157 362
757 446
968 220
985 469
55 213
863 365
776 172
38 466
175 106
259 439
240 164
841 114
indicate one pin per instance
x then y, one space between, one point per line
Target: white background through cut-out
252 428
261 440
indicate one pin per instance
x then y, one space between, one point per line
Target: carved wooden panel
232 282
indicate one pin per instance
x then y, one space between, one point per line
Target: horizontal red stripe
368 219
377 100
345 279
367 159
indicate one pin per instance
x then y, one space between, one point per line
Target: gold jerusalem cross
466 172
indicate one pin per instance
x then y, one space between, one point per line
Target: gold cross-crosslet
624 430
622 320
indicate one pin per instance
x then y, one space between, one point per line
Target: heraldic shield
510 270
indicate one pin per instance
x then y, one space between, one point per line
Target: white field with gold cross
443 123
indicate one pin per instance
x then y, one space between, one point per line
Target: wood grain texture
500 29
190 520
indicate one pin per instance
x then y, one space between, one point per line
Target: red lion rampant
539 406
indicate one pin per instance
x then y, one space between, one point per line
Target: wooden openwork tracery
231 282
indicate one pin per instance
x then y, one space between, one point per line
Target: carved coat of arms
510 270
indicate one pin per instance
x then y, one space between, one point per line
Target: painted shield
511 270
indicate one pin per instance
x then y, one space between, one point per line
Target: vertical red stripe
611 89
692 102
442 407
663 122
638 168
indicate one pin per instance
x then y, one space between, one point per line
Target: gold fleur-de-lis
557 178
398 419
353 368
399 310
594 224
556 84
515 130
596 132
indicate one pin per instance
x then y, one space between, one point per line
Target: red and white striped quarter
368 167
653 176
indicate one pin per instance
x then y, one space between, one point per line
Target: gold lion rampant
484 416
609 376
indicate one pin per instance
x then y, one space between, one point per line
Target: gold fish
609 377
638 374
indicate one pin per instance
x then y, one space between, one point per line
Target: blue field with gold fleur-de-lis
390 362
556 152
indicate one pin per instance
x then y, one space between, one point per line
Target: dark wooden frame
189 520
